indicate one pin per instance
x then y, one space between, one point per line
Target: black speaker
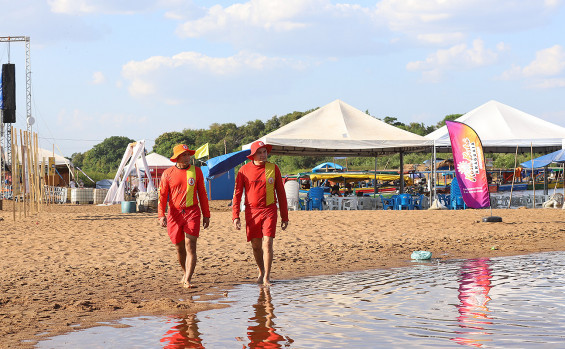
8 86
9 116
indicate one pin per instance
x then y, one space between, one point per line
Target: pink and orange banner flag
469 163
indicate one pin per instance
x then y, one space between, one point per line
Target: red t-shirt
252 178
173 189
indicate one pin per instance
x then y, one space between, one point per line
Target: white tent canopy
338 129
502 128
134 151
44 153
155 160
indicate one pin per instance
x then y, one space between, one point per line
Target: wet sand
72 266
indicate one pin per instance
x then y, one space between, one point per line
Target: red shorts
261 222
183 222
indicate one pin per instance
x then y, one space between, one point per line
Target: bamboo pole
24 189
14 173
513 176
42 180
533 176
29 185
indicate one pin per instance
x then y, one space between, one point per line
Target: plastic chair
418 201
458 204
404 201
316 199
350 204
332 203
388 203
444 199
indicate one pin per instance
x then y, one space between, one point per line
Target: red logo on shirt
191 181
271 180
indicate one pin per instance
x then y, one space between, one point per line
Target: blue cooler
128 207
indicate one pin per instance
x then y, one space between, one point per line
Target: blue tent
327 166
542 161
219 188
223 163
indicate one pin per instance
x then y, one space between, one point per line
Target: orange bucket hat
257 145
179 149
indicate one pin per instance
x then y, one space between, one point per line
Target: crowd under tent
503 128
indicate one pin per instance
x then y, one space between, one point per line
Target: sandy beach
71 266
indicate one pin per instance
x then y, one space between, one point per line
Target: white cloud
84 7
145 76
458 57
98 78
545 71
97 124
548 62
414 18
305 27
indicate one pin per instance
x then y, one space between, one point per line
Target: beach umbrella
323 167
545 160
221 164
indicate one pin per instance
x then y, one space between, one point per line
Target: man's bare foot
267 283
260 279
187 284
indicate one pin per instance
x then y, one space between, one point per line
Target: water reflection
183 335
434 305
474 314
262 334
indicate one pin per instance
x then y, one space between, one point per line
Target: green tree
449 117
77 159
164 143
106 156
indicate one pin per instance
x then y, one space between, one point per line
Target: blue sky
139 68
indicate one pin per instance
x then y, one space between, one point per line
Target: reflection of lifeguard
183 335
263 334
474 287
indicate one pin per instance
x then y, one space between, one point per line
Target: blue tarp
327 165
223 163
542 161
219 188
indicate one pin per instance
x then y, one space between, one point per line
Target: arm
236 201
163 198
237 193
281 196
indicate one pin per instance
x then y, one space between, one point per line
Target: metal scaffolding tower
6 129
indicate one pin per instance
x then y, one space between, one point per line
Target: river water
506 302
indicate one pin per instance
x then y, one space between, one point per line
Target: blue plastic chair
418 202
388 203
458 204
404 201
444 200
316 199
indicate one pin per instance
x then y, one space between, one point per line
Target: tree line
103 160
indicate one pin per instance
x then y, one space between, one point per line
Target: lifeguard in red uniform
264 187
182 187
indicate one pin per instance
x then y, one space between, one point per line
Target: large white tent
338 129
502 128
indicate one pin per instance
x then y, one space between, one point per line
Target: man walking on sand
182 187
263 186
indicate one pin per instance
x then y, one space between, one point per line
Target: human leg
181 254
190 264
256 244
267 247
